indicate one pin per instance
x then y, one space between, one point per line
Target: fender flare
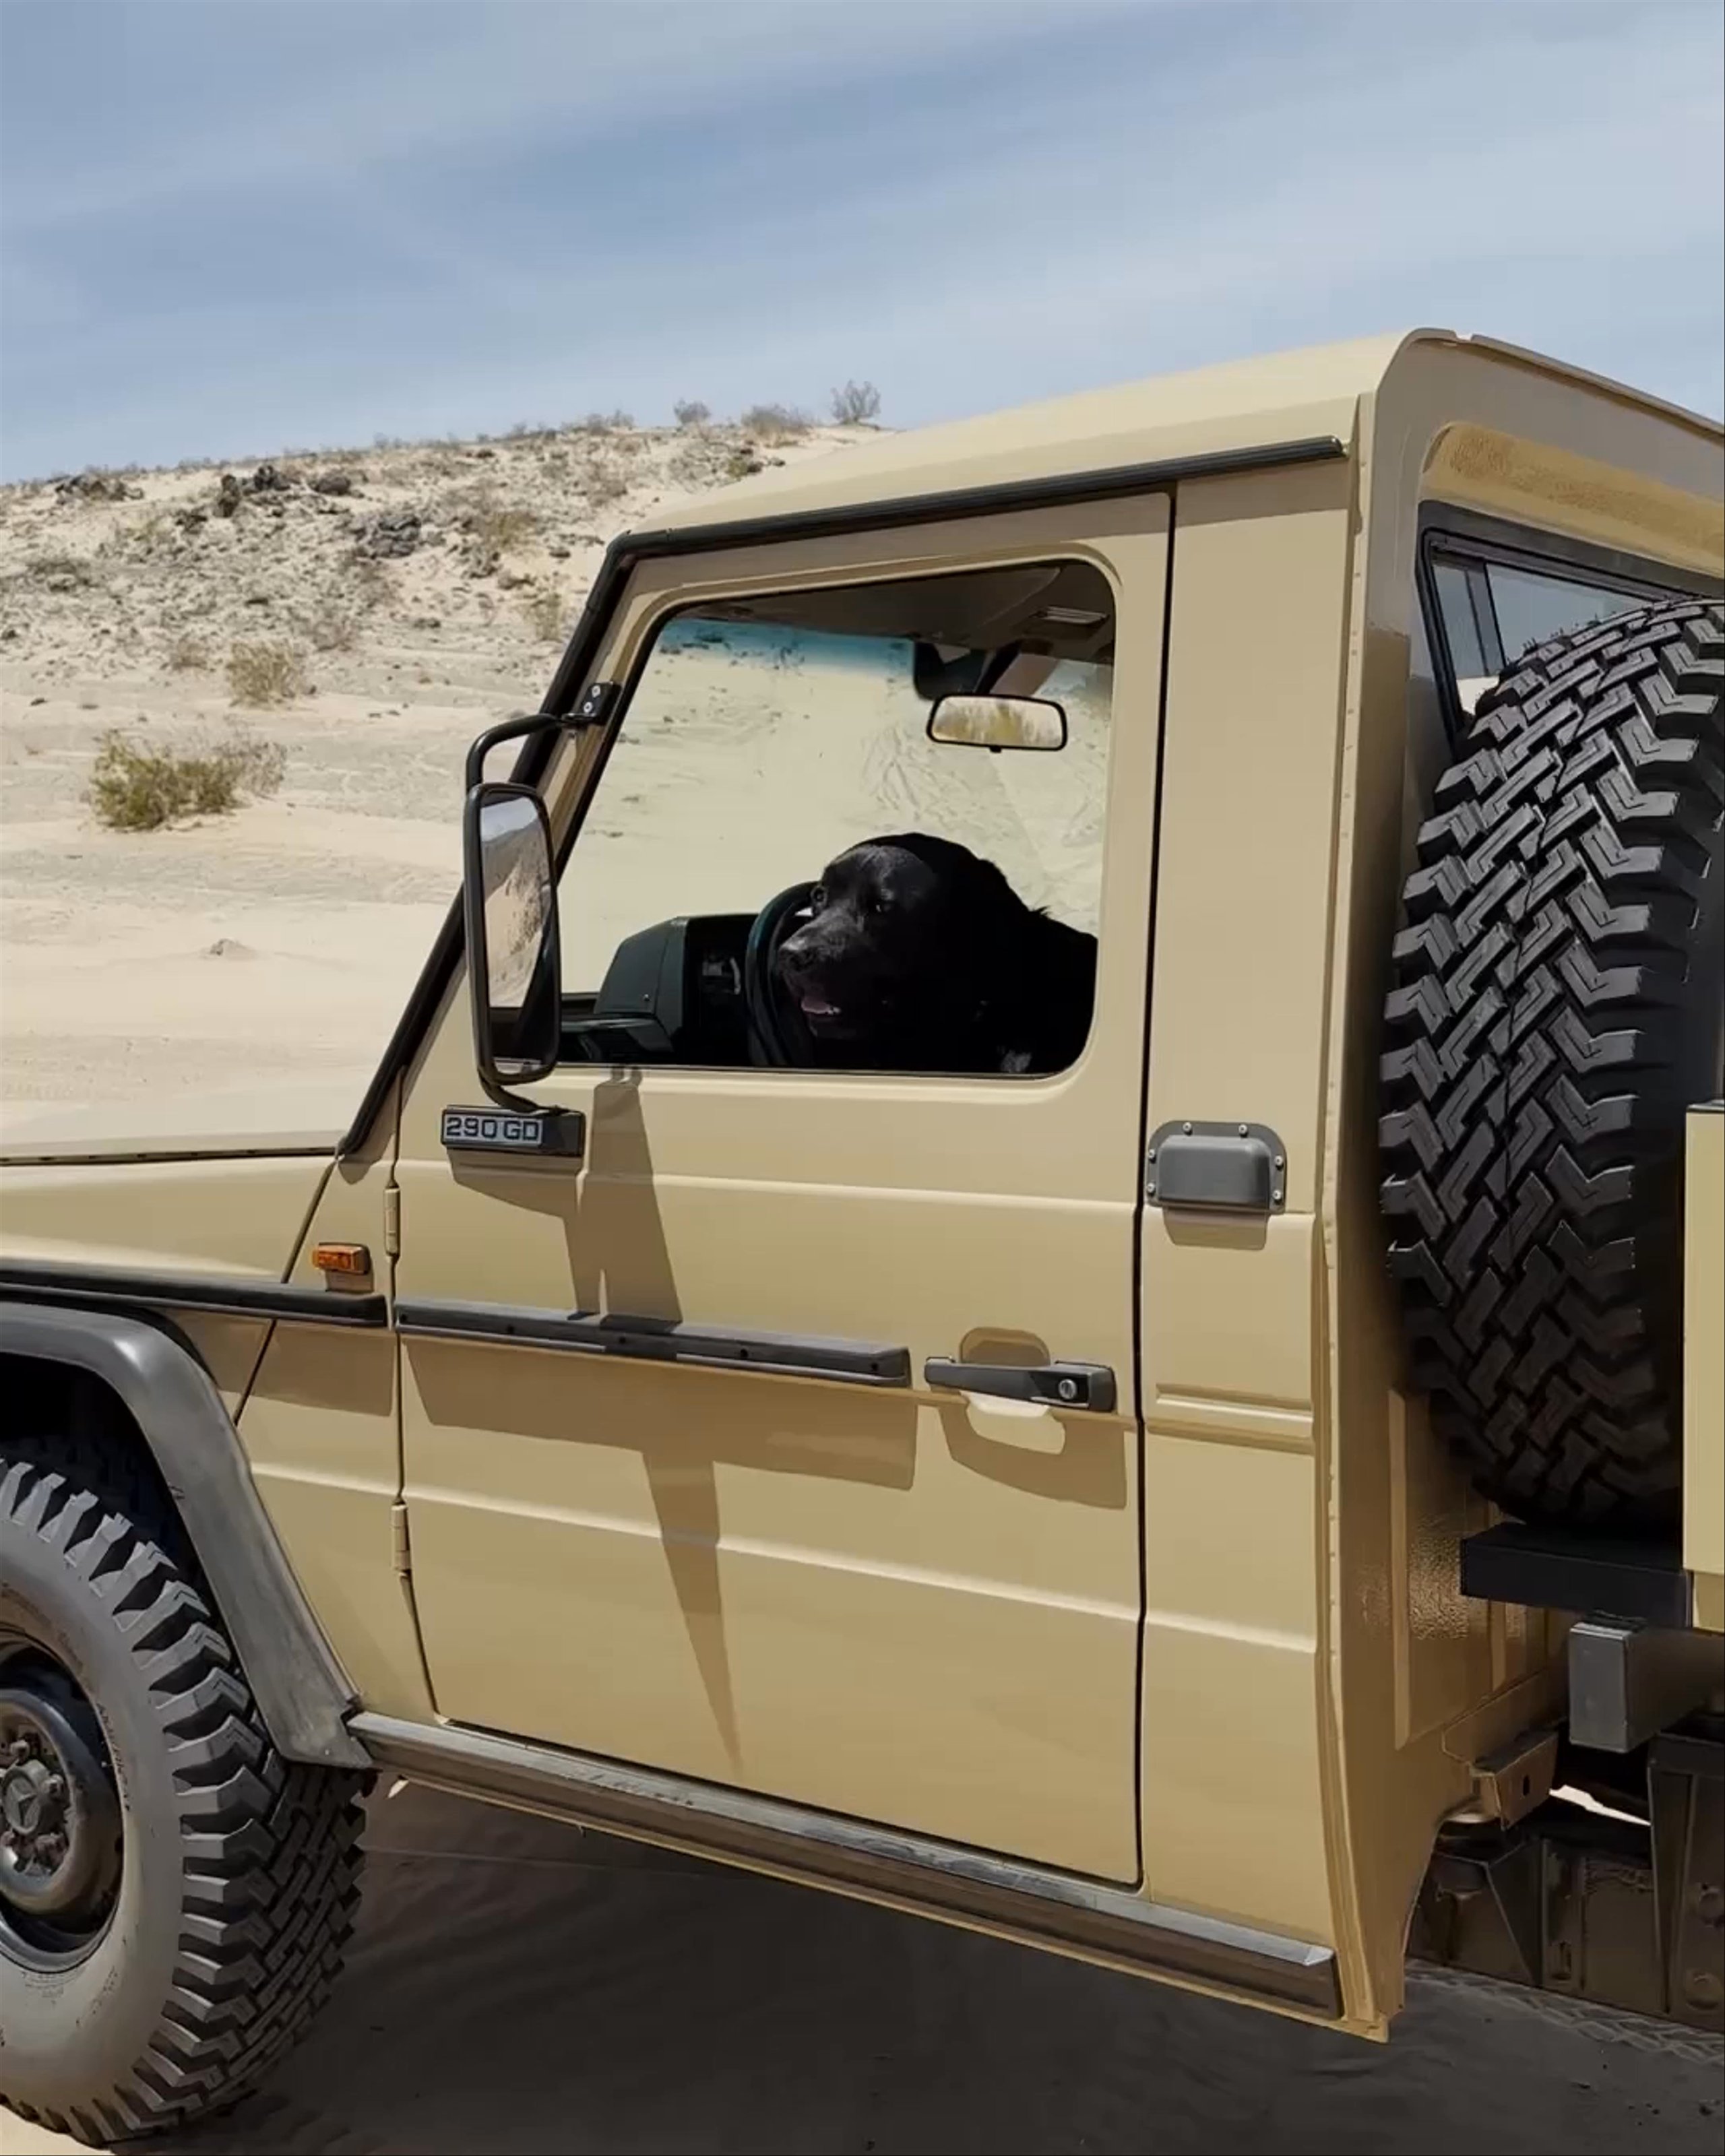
302 1691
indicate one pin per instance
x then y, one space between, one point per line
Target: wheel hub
33 1799
59 1813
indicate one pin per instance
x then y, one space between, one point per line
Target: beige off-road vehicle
1243 1507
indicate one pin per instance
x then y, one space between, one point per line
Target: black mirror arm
509 730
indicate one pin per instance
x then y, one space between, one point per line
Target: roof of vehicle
1246 404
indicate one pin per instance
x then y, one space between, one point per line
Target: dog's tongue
818 1007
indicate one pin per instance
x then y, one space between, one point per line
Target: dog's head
899 937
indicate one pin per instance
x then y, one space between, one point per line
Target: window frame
1472 541
620 696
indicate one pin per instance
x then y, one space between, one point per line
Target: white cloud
971 205
457 82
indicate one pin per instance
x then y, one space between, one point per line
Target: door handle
1060 1384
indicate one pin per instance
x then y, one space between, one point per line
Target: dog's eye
874 906
818 897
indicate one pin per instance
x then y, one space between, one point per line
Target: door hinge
398 1535
391 1219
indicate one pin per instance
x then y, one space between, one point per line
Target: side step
1022 1901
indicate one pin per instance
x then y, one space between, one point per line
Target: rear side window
1493 608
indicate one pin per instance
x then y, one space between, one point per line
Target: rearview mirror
999 722
515 970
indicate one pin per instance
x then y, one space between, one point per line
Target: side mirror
514 966
999 722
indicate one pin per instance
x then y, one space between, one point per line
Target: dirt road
518 1986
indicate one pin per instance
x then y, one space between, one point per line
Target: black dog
922 957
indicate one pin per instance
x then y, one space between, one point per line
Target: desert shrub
775 423
370 583
690 412
62 572
187 654
147 536
856 404
496 527
697 463
601 480
133 788
605 422
544 610
265 672
332 628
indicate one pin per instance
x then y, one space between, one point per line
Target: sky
233 226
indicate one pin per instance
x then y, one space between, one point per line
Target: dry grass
696 463
152 531
62 572
136 788
332 628
545 610
187 654
775 423
265 672
370 583
601 480
498 526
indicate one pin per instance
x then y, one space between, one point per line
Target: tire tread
1538 1053
271 1848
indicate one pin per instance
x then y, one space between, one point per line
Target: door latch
1216 1167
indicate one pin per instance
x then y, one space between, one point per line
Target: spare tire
1558 1001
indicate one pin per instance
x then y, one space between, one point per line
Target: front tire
175 1896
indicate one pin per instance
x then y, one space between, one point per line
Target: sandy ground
285 936
519 1987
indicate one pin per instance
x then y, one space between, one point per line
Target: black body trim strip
1038 1908
1112 483
229 1295
1116 482
1588 1575
659 1340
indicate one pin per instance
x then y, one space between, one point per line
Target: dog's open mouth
819 1011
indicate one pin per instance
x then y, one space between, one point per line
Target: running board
1020 1902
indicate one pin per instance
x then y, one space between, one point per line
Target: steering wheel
778 1026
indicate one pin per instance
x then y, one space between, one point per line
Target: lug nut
19 1749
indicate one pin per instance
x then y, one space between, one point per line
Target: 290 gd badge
547 1132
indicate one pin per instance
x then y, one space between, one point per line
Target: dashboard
672 993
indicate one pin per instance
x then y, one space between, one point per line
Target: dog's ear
987 896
